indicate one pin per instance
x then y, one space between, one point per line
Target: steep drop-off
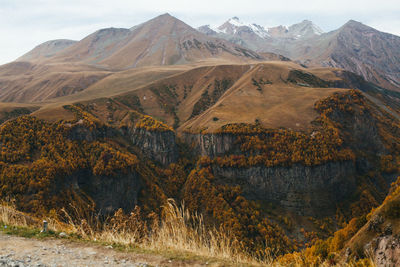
246 178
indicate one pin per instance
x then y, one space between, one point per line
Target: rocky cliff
305 190
108 192
211 145
157 145
242 156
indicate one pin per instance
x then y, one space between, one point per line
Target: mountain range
253 128
163 40
354 46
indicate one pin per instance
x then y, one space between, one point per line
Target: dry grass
280 104
10 216
183 231
179 232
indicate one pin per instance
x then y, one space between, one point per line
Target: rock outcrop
385 250
109 193
159 146
305 190
212 145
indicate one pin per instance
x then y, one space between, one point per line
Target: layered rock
211 145
305 190
159 146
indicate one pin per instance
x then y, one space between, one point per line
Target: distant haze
27 23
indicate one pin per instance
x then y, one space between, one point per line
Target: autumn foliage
36 157
226 205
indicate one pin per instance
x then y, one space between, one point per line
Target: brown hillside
46 50
163 40
208 97
27 82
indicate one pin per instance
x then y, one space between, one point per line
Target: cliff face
159 146
311 191
361 127
211 145
81 132
305 190
108 192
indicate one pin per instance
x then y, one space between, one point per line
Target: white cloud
26 23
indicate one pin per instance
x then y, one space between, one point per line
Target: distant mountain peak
166 15
356 24
306 28
353 22
235 26
236 22
306 21
165 18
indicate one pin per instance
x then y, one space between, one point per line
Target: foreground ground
19 251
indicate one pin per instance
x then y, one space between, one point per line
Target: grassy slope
280 104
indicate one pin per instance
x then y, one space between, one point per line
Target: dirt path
19 251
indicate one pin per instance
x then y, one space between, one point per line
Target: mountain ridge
346 47
163 40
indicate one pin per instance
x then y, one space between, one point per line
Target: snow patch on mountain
317 30
233 25
236 22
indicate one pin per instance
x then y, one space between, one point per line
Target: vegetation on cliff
39 159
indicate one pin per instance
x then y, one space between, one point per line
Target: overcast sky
27 23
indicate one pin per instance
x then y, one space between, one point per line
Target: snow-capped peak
232 26
305 28
259 30
236 22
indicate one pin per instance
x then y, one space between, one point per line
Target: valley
284 154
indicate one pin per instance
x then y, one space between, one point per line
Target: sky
27 23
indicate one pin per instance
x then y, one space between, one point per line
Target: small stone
62 234
109 247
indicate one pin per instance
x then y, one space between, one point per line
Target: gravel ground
19 251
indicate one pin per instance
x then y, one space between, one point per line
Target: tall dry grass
180 230
10 216
177 231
